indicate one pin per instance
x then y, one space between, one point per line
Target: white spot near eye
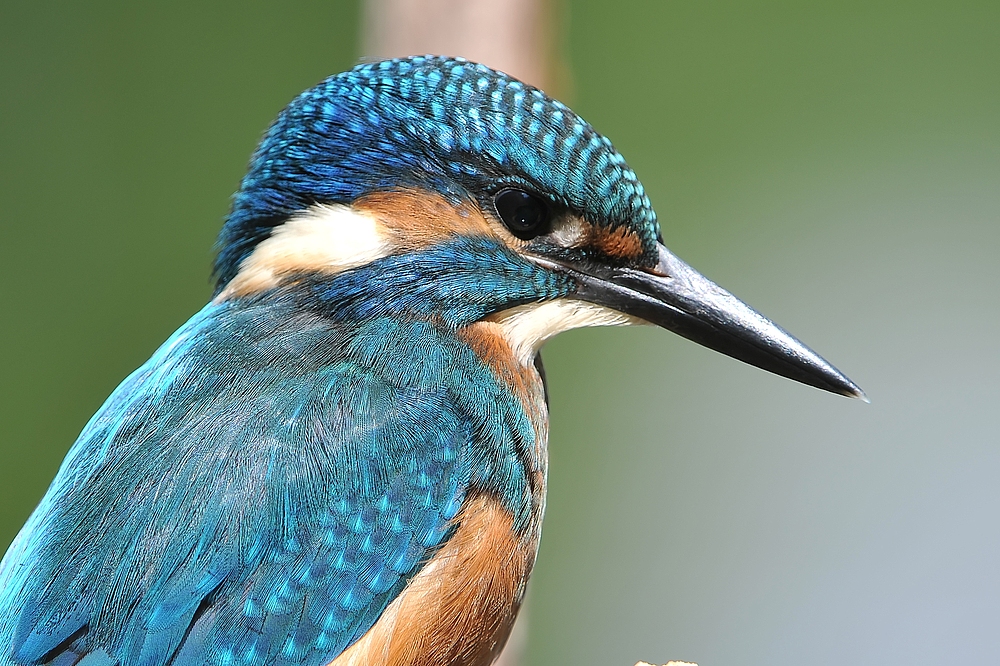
569 232
527 327
327 238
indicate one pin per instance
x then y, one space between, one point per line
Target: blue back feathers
441 124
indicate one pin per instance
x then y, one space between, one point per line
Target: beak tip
838 382
678 298
856 392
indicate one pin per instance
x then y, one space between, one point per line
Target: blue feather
261 489
439 124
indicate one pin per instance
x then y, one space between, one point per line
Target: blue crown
443 124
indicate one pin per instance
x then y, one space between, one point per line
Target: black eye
525 215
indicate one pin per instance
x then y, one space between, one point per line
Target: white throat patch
527 327
327 238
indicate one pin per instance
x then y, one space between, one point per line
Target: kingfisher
341 459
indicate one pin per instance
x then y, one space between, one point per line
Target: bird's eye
525 214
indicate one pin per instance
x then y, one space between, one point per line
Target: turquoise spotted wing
257 493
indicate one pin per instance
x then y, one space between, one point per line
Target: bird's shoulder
259 491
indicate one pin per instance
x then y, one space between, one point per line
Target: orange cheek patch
415 220
620 243
460 608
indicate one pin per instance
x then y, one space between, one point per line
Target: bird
341 459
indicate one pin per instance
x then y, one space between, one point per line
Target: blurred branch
519 37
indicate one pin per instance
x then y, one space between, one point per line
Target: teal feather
261 489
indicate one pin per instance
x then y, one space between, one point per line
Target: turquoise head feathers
448 126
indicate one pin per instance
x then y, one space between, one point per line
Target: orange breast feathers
460 608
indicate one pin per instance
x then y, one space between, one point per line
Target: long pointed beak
678 298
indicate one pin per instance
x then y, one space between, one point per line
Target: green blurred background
837 165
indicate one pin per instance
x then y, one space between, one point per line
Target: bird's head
451 191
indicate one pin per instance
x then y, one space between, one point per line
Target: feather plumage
259 491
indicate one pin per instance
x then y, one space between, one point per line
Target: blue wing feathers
257 493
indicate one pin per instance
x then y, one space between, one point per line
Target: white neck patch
527 327
326 238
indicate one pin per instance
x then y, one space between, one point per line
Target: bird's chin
527 327
676 297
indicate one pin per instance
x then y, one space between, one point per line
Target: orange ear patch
417 219
574 231
620 243
460 608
